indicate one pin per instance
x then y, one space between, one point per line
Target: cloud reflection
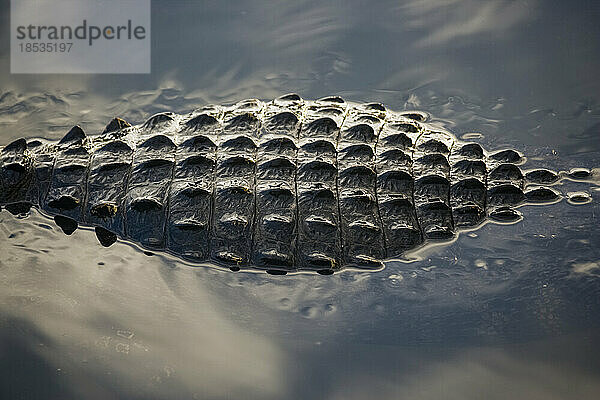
449 20
120 322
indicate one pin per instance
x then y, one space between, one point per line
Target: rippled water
505 311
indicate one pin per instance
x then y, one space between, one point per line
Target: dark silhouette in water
281 186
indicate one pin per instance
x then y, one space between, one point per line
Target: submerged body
283 186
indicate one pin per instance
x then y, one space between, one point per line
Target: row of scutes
286 185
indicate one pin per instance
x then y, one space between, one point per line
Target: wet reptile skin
282 186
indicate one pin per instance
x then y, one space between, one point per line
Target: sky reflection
506 311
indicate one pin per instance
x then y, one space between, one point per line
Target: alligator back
282 186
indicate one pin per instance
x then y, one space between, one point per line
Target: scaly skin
282 186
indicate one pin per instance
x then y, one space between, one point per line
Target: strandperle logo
80 36
82 32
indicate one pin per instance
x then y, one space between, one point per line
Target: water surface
505 311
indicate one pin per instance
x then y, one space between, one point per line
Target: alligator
281 186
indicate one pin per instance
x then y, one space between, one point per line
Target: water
505 311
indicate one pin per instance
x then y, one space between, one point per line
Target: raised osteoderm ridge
283 186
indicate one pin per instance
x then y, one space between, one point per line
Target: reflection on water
450 21
521 318
507 311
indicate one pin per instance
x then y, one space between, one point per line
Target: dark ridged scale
149 182
275 230
234 202
191 192
107 184
505 183
16 175
67 189
319 235
395 183
432 175
361 229
468 184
